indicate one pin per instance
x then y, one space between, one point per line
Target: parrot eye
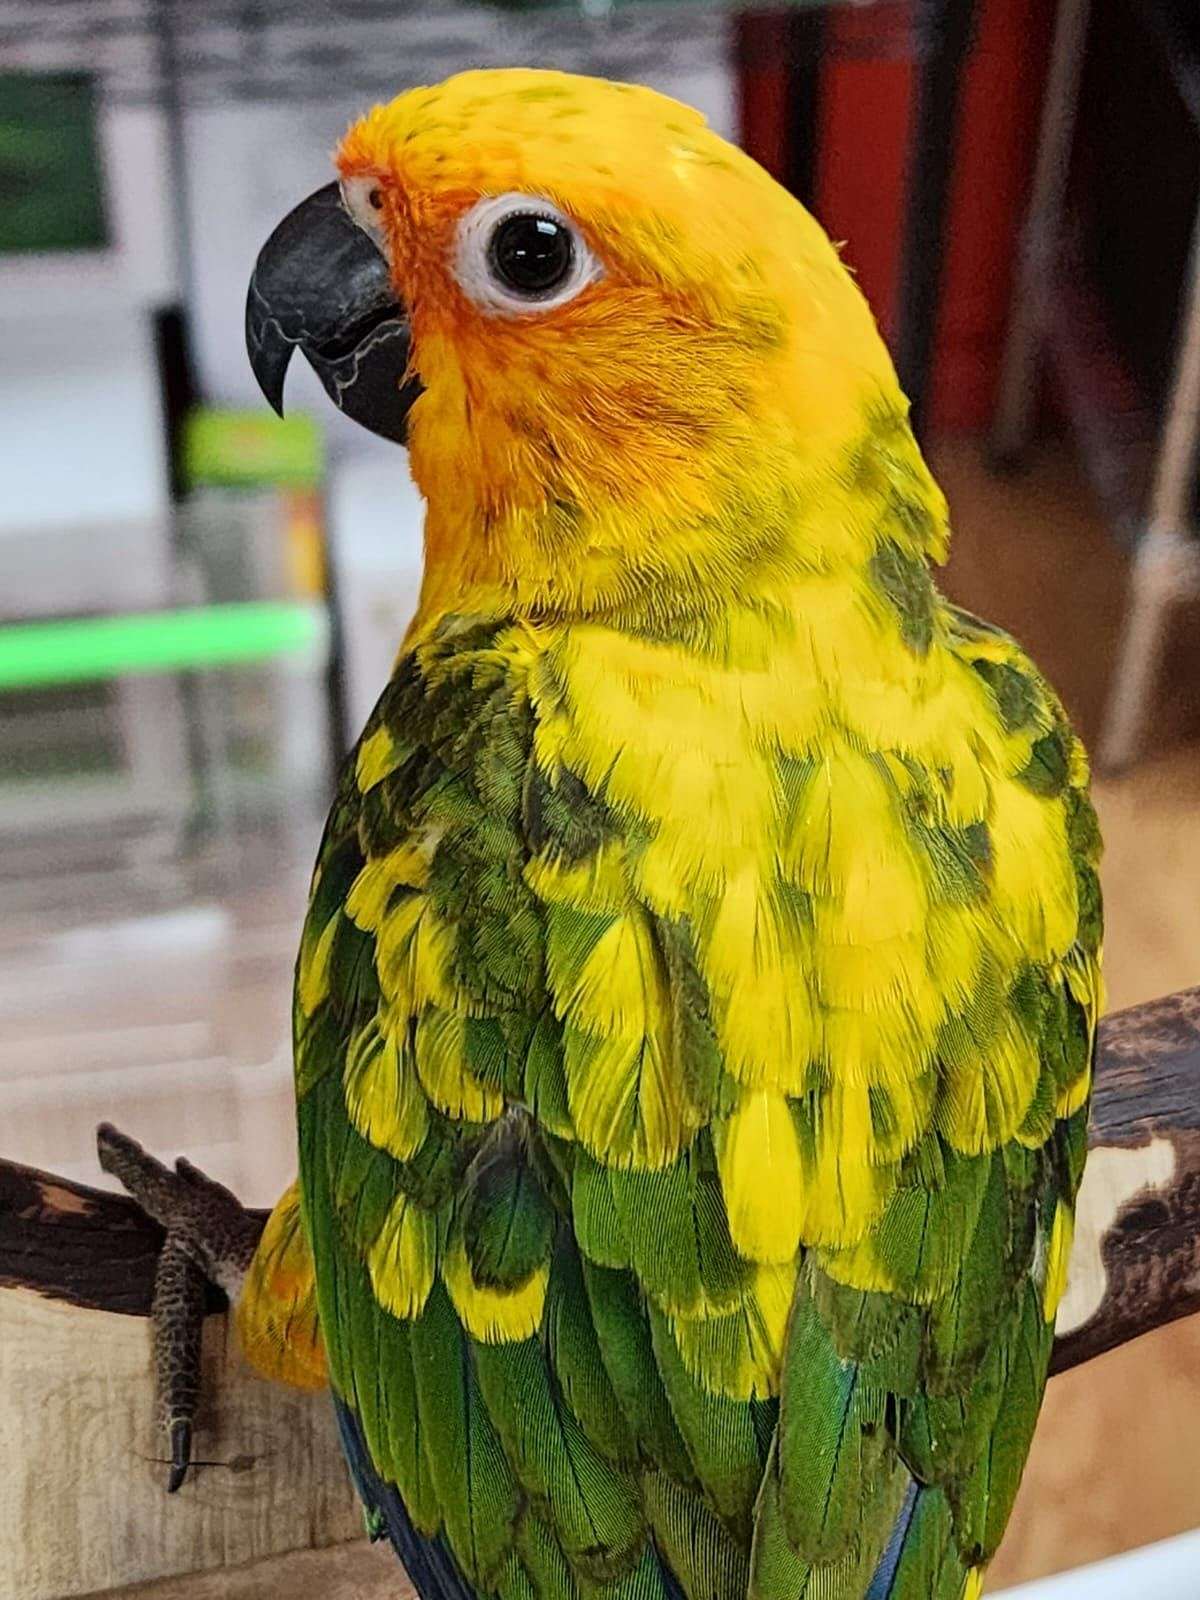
517 255
530 254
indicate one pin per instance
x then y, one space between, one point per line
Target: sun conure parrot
695 1010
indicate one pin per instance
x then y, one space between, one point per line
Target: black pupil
531 254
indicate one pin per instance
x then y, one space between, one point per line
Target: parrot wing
916 1359
480 1426
606 1305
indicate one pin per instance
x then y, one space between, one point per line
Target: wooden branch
79 1245
1136 1261
82 1506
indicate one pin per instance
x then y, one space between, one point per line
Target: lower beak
321 284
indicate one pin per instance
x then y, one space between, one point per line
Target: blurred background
199 603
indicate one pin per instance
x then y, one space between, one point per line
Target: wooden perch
78 1245
82 1507
1135 1265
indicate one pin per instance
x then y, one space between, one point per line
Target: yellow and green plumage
695 1010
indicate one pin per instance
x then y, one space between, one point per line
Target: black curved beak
321 285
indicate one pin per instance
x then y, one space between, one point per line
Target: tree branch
80 1245
1136 1261
1135 1265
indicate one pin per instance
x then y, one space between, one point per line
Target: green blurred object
33 654
251 449
51 187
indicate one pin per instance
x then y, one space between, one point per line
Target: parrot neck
737 531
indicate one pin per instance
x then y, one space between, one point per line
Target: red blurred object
763 44
863 145
863 89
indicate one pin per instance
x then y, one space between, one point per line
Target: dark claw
213 1196
181 1453
210 1224
210 1237
178 1312
146 1179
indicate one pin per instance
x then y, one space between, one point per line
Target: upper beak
321 283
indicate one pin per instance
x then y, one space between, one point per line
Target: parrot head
623 358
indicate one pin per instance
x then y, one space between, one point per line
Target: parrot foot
211 1238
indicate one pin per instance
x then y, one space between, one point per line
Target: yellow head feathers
651 434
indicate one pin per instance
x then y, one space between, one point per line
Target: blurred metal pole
166 29
806 52
1166 563
176 369
945 31
1041 236
179 395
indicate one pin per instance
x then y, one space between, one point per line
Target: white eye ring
480 269
363 199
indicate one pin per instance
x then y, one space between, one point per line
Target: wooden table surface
356 1571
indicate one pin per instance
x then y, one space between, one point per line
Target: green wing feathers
692 1087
